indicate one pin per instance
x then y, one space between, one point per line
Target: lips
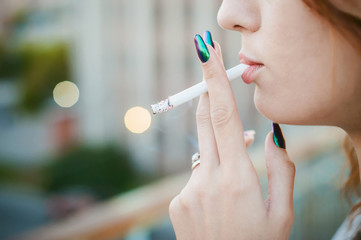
250 74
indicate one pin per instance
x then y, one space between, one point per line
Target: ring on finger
196 160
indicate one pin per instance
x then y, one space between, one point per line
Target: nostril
238 27
243 29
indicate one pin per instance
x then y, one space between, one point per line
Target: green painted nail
202 49
278 138
208 38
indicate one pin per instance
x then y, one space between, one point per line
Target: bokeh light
66 94
137 120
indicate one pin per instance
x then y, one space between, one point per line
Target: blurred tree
38 68
106 171
9 174
10 63
44 67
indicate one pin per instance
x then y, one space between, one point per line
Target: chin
265 108
267 112
280 113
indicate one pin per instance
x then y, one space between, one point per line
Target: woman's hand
223 198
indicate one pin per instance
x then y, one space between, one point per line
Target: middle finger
206 138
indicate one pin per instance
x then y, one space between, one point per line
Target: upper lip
246 60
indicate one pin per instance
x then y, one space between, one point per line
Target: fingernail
208 38
202 49
278 138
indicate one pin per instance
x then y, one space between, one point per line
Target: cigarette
194 91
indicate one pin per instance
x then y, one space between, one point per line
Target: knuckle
174 206
202 195
210 73
202 116
234 188
183 203
246 187
227 185
186 199
180 203
221 115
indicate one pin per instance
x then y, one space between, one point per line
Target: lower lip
251 73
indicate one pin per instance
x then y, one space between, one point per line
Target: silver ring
196 160
195 157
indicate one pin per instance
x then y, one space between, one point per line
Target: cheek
297 95
298 54
297 40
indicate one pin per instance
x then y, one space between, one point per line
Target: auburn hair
349 26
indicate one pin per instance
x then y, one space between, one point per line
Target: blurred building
125 54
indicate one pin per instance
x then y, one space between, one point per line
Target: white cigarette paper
194 91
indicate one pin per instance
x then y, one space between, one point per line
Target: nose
239 15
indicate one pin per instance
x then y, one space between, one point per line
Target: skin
311 76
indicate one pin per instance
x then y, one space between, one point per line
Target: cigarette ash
162 106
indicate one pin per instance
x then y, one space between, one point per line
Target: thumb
281 175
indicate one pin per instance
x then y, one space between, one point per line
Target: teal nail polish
278 138
208 38
202 49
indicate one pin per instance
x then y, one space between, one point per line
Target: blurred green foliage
10 62
106 171
44 67
38 68
9 174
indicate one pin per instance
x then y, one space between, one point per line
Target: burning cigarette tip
162 106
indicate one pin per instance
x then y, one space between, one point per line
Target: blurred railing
148 204
117 216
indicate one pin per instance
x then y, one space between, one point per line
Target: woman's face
310 74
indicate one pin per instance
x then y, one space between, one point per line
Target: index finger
226 122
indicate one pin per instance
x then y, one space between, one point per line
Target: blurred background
81 156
